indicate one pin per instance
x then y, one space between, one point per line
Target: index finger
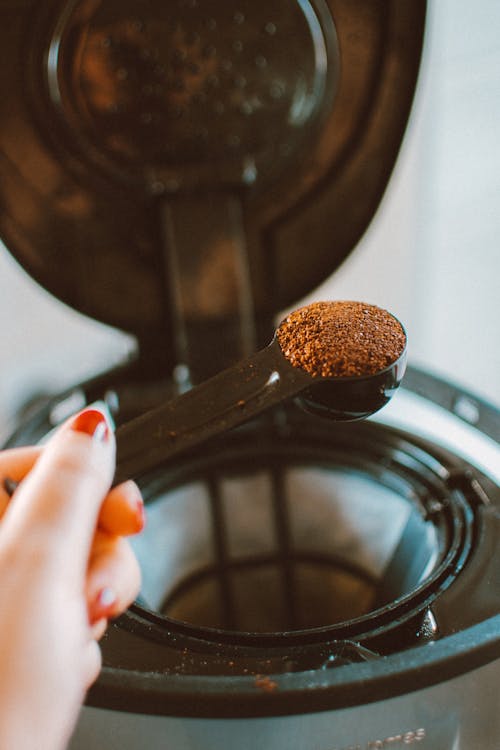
57 505
122 511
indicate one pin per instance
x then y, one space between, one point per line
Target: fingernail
140 515
104 605
93 423
136 504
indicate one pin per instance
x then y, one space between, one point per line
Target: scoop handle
224 401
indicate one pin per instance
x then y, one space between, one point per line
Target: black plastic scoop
311 357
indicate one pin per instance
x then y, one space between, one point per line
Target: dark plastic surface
239 394
154 665
109 113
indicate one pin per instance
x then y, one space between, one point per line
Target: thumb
58 503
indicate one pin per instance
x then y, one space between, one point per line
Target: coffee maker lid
295 110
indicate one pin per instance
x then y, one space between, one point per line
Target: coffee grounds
341 339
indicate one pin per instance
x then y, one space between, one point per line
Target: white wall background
432 254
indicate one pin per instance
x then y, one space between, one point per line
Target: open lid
129 127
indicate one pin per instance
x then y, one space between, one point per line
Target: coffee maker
184 171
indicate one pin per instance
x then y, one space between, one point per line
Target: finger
113 577
92 663
122 511
98 629
15 463
58 503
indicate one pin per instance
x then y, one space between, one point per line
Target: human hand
65 568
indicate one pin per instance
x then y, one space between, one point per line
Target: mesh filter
289 548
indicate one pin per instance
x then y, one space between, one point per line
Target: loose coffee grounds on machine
341 339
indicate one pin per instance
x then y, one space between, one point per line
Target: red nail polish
93 423
140 515
103 607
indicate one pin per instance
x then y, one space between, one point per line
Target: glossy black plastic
349 399
240 393
153 664
77 209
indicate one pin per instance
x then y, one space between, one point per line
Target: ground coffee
341 339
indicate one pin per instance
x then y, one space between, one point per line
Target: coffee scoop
343 360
